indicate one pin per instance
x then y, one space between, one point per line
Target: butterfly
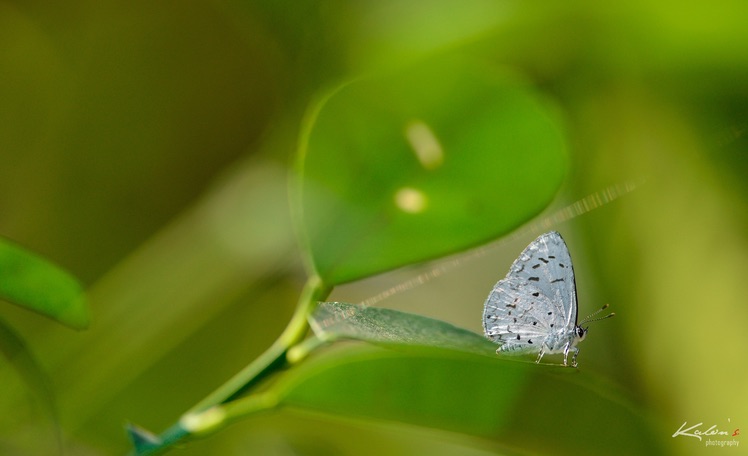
534 308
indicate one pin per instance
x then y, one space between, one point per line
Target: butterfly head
580 332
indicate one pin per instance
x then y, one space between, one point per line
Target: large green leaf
517 403
32 282
421 163
523 407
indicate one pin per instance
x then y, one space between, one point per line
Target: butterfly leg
574 358
540 355
567 347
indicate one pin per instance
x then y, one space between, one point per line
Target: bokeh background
146 146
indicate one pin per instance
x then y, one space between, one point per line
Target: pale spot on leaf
426 146
411 200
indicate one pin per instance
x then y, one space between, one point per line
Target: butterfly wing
519 317
546 264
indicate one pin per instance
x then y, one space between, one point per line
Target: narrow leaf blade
18 355
336 320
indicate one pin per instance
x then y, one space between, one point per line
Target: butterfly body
534 308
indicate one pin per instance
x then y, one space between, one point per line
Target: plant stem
301 350
271 360
273 357
214 418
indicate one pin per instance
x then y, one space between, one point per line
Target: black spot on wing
534 279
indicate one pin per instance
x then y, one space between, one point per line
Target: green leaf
36 284
338 320
18 355
421 163
523 407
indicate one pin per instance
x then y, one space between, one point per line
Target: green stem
207 421
273 357
209 414
298 352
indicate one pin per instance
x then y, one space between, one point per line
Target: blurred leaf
386 32
18 355
525 407
226 251
34 283
422 163
336 320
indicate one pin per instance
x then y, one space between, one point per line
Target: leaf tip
78 315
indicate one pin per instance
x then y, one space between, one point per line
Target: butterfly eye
581 332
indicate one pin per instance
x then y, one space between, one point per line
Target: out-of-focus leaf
18 355
524 407
337 320
390 31
421 163
32 282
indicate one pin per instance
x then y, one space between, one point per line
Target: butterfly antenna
589 318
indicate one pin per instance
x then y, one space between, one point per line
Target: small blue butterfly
534 308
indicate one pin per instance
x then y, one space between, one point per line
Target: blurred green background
145 147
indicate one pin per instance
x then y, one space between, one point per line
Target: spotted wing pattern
535 305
